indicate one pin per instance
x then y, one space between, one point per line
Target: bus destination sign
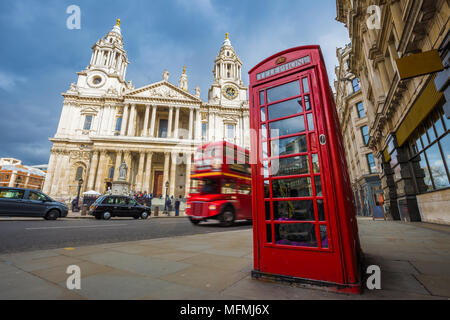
284 67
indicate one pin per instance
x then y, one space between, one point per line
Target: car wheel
106 215
194 222
52 215
144 215
227 217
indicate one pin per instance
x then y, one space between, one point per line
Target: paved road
38 234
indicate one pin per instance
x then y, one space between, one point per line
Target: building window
430 150
119 123
204 130
371 163
355 84
87 123
360 109
162 132
230 131
79 173
111 173
365 134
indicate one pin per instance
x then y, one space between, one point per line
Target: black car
106 207
17 202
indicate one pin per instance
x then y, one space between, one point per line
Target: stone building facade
363 166
154 129
408 128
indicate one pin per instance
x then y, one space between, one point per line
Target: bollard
84 209
156 211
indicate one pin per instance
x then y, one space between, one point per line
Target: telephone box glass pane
287 126
286 108
307 103
263 114
293 210
318 186
269 232
292 188
296 234
310 122
293 145
264 132
320 210
305 85
290 166
324 236
267 210
315 163
284 91
261 98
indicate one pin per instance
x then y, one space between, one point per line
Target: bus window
228 187
210 186
245 189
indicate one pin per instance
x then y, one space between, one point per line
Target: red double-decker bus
220 184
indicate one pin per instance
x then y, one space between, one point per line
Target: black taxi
106 207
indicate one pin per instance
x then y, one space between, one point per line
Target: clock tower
227 88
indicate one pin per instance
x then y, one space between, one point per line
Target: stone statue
166 75
197 91
123 171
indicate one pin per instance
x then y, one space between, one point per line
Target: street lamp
165 201
80 183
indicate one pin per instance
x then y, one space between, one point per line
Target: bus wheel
195 222
227 217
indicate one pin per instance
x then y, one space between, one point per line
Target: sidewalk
414 261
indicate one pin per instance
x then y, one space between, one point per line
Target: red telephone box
305 227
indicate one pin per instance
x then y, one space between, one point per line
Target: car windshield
99 200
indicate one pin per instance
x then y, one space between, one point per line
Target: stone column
177 122
127 159
191 120
49 174
198 125
118 163
148 172
169 126
173 169
166 170
152 124
56 174
92 171
101 171
131 127
63 182
188 173
124 120
140 176
147 112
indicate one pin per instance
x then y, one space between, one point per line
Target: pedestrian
177 206
168 205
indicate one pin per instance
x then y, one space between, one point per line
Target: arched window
79 173
111 173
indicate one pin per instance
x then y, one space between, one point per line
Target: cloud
8 80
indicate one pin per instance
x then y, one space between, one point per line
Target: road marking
74 227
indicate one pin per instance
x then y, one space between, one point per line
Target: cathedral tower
228 88
108 66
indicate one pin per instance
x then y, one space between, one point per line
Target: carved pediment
163 90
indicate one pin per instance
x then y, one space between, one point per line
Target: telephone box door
297 229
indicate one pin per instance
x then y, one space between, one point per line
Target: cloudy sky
40 56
